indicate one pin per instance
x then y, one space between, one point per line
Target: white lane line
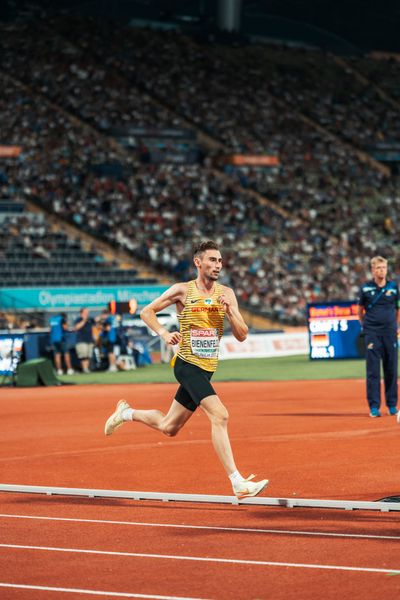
208 527
234 561
94 592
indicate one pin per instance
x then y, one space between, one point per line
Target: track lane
216 528
305 443
222 581
217 544
294 519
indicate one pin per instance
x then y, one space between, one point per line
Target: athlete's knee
170 429
220 416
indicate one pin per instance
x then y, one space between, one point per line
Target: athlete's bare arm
231 308
176 294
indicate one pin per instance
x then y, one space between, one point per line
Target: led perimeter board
334 331
10 352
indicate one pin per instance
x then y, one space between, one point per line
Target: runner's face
210 264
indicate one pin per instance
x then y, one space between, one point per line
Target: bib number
204 343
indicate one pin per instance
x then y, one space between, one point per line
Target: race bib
204 342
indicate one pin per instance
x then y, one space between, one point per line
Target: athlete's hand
226 304
171 338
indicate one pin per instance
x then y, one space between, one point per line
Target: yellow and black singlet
201 327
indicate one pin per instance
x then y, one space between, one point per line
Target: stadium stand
383 70
327 204
31 254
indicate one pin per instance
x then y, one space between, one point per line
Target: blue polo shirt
57 333
381 304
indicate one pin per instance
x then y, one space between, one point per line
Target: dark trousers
381 348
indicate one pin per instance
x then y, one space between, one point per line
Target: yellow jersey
201 327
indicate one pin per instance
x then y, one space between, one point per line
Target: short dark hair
203 246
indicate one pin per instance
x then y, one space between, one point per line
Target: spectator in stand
84 338
336 206
58 329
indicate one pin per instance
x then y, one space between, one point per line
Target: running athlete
202 305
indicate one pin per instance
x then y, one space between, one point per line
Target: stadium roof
367 25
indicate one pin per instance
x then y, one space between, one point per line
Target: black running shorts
195 384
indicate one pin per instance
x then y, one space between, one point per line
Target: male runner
202 305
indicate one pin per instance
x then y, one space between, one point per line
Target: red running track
309 438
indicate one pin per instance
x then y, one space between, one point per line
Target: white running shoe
116 420
398 416
70 372
248 488
60 372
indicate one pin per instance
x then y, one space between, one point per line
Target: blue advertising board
334 330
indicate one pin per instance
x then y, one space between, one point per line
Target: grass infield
251 369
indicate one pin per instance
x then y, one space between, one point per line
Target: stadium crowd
198 77
337 208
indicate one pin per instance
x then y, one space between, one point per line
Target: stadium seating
48 258
327 206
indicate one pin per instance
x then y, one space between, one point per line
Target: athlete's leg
169 423
218 415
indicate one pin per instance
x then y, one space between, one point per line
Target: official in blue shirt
379 318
